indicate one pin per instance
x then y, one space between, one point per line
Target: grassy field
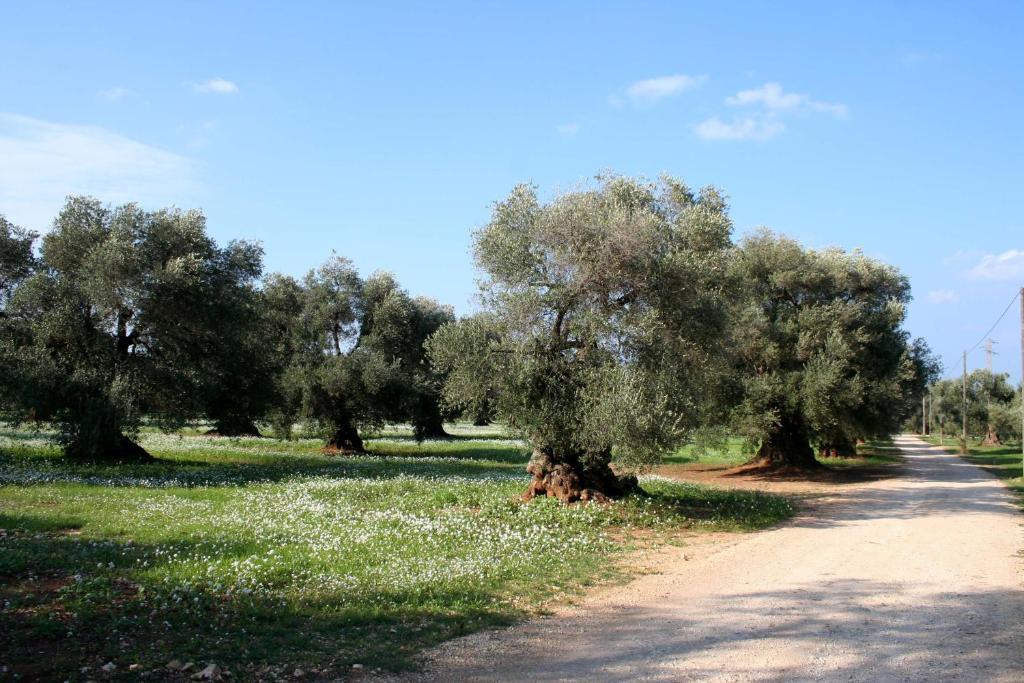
1003 461
265 556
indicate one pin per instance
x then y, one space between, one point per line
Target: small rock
298 673
174 665
109 666
211 673
134 667
357 666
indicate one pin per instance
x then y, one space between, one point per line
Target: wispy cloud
569 129
113 94
42 162
772 98
768 105
217 86
748 128
653 90
1008 265
943 296
962 256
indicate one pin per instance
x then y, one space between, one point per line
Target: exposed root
569 481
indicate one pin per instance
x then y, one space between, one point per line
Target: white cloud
771 97
42 162
749 128
943 296
1008 265
569 129
653 89
113 94
217 86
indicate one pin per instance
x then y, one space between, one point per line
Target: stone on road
913 578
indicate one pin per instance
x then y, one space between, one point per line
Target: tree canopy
617 321
602 313
819 350
358 354
120 316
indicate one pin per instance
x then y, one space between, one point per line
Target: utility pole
924 415
963 410
931 410
990 436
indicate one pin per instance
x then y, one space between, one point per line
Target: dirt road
914 578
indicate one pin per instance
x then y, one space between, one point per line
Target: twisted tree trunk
571 478
787 445
838 447
344 440
234 427
430 426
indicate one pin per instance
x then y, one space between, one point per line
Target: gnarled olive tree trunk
571 478
234 427
787 444
991 437
430 426
345 439
837 447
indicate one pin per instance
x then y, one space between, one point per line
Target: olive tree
120 317
819 349
17 263
358 355
993 406
598 340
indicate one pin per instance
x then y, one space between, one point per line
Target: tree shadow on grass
483 463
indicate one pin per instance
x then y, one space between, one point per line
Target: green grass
734 451
730 453
878 453
257 553
1004 461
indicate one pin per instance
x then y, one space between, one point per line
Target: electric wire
998 320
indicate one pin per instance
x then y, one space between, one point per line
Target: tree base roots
571 482
991 439
345 441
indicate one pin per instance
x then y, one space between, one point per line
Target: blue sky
384 131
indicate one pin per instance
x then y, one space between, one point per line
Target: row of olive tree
618 322
124 314
621 320
993 408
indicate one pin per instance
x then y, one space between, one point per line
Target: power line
998 320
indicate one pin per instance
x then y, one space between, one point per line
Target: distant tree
120 317
819 350
282 302
425 410
17 263
993 407
16 258
600 337
241 366
359 360
922 369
